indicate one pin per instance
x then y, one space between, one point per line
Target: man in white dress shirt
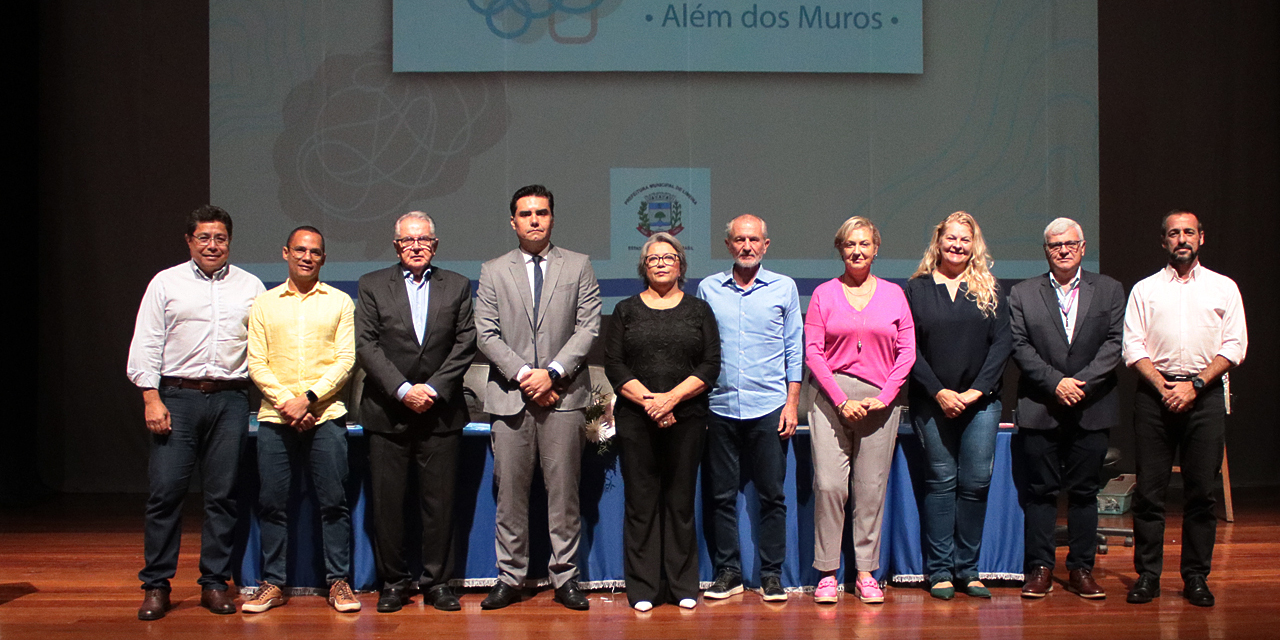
1184 327
188 357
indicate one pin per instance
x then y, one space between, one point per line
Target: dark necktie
537 285
537 298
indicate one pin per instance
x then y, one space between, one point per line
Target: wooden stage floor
68 570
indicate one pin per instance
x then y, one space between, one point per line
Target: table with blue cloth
600 561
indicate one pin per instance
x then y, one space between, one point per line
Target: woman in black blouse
962 343
662 354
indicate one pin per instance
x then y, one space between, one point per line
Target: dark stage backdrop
1188 104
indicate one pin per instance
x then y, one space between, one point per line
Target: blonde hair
982 286
857 222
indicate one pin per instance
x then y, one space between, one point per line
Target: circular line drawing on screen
360 142
516 16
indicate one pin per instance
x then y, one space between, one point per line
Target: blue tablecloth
602 509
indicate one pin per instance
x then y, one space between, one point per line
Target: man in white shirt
188 357
1183 328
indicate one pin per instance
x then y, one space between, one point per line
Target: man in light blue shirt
754 402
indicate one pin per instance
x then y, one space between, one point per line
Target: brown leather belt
206 386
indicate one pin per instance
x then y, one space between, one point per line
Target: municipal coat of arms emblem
660 211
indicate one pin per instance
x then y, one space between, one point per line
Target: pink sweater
877 344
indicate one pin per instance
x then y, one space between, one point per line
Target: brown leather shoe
1081 583
220 602
155 603
1039 583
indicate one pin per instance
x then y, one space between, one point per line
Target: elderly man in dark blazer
1067 331
537 315
415 339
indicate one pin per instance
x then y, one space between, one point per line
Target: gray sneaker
771 589
727 584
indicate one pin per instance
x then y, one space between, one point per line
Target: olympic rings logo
525 15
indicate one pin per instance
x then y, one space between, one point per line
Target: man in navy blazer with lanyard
1067 330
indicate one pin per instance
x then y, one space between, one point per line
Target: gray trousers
553 440
867 446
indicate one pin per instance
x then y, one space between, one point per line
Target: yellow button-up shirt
299 342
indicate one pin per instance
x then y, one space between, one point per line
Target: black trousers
1048 462
660 475
1197 436
436 458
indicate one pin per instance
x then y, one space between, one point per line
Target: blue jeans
208 429
731 442
320 452
959 453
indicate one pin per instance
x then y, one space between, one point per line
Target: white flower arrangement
600 427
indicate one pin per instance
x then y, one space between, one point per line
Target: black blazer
388 350
1045 357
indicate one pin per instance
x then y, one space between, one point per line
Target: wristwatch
1197 383
312 397
553 374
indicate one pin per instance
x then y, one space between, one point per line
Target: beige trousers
867 447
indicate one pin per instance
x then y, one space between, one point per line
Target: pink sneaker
869 591
826 593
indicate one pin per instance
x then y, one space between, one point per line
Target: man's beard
1178 258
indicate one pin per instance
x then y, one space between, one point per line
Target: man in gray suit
1067 332
415 340
537 314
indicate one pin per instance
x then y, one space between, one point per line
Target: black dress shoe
155 603
1197 592
442 598
500 596
218 601
569 596
392 599
1144 590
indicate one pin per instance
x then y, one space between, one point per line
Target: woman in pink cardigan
859 345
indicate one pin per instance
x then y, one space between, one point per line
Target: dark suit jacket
390 354
1045 357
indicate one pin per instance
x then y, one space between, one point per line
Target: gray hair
1062 225
667 238
414 215
764 227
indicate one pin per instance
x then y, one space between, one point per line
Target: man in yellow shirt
301 351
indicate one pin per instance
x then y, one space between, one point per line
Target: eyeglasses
1070 245
207 238
668 259
421 241
301 252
